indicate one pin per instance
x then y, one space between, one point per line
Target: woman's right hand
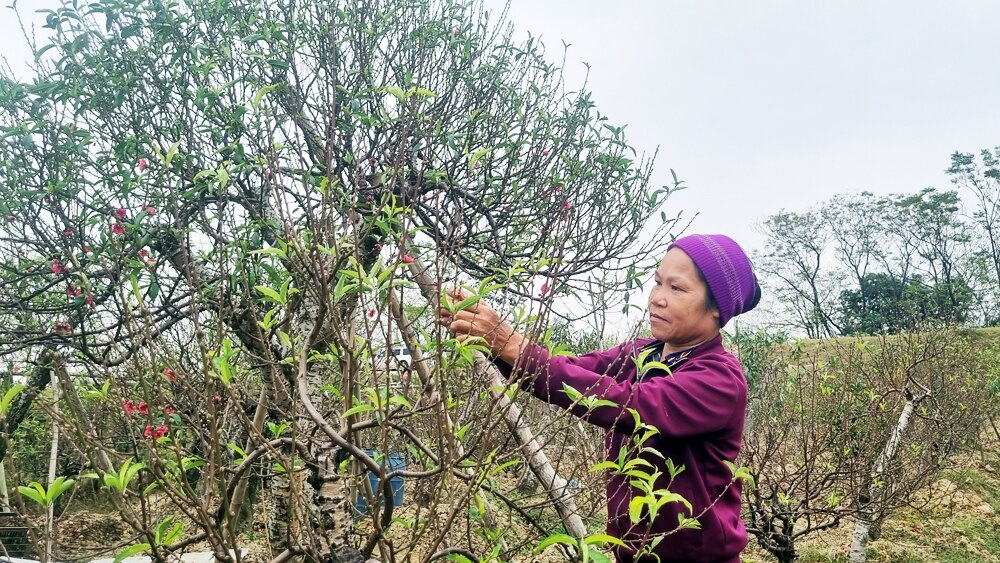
481 320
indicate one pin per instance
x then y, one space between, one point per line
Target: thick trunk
868 514
311 506
38 380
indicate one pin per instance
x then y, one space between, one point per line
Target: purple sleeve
698 399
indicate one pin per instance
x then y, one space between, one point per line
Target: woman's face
677 312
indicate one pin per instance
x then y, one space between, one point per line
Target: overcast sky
773 104
776 104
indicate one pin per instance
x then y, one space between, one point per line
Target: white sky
776 104
770 104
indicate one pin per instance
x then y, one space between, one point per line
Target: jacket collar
675 359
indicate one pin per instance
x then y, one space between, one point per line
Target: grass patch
815 556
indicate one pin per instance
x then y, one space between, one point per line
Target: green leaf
134 280
9 396
36 494
424 92
401 401
604 466
59 486
240 456
474 157
171 152
603 539
554 539
153 290
255 102
635 509
222 175
572 393
131 550
270 293
357 410
396 92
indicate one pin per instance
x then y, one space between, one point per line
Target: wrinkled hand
481 320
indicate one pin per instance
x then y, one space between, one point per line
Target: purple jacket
699 410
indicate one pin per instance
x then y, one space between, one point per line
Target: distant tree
934 218
792 265
982 181
857 230
886 304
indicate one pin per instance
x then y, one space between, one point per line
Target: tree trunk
53 461
235 513
311 502
38 380
868 514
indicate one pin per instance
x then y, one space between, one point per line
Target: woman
697 403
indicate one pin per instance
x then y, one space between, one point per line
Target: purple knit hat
727 270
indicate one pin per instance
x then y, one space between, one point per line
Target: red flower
89 299
149 431
372 313
217 399
169 375
16 368
378 246
57 267
567 205
10 217
68 232
150 209
120 214
118 229
161 431
142 164
545 153
128 406
63 328
407 258
168 410
545 288
143 408
143 253
86 249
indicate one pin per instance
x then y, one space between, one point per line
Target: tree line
871 264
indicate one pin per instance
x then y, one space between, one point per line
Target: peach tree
208 211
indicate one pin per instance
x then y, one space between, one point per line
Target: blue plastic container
395 461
